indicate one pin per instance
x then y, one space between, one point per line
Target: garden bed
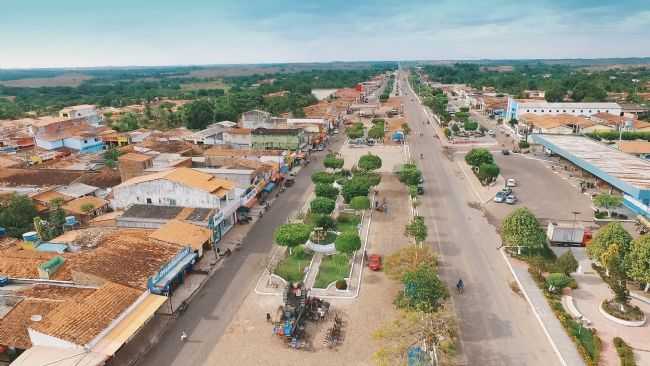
629 313
292 268
332 268
347 222
330 237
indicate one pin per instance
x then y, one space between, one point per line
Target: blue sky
45 33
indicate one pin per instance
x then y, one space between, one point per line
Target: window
557 111
85 141
573 111
606 110
590 111
527 110
96 139
148 201
542 111
598 111
564 111
172 202
535 111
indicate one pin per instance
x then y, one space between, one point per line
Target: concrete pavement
497 326
209 314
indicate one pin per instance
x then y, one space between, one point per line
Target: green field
332 268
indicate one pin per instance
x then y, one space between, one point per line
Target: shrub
369 162
478 156
625 352
333 162
470 125
524 145
359 185
410 175
291 235
341 285
487 173
360 203
566 263
324 221
326 190
322 177
322 205
447 132
557 281
348 242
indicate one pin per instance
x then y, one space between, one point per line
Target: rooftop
276 131
126 257
13 327
552 121
188 177
135 157
167 213
80 320
215 151
77 190
634 147
19 263
38 177
182 234
544 104
76 206
626 168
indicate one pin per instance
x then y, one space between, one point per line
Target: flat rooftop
599 158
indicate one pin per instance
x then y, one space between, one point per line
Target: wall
49 145
84 144
42 339
277 142
161 192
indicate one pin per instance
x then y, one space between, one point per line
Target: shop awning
129 325
44 355
269 187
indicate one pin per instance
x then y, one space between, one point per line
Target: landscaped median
524 239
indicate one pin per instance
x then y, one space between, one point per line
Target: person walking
183 336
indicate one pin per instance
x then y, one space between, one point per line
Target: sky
67 33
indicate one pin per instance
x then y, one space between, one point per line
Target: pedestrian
183 336
268 317
218 252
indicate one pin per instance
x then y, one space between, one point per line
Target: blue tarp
269 187
52 247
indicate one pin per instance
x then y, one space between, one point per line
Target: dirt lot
391 156
217 84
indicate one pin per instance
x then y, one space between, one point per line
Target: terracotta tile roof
13 327
19 263
189 177
48 196
553 121
38 177
215 151
135 157
53 292
634 147
126 257
182 234
239 131
76 206
80 321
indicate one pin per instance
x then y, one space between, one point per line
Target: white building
517 108
261 119
85 111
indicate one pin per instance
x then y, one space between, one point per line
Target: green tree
355 131
322 205
406 128
487 173
410 175
332 161
17 217
127 122
423 290
323 178
377 132
611 259
369 162
360 203
470 125
199 114
566 263
291 235
416 229
638 260
555 93
447 132
356 186
326 190
478 156
557 281
521 229
347 242
612 233
608 202
56 218
324 221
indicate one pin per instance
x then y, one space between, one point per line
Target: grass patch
332 268
625 352
293 266
347 222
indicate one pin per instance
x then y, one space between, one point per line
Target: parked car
507 191
500 197
505 152
511 199
511 182
374 262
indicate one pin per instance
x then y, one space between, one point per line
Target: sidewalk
483 193
558 337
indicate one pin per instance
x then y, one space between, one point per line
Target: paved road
497 326
209 314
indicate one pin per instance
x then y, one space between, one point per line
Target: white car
511 182
500 197
511 199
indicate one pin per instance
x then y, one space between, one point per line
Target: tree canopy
360 203
638 260
608 202
521 229
291 235
416 229
423 289
17 217
347 242
478 156
326 190
369 162
612 233
333 161
409 174
322 205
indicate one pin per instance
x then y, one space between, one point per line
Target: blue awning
269 187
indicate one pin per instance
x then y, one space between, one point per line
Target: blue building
627 173
75 134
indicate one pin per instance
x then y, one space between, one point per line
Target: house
238 138
217 157
260 119
211 135
183 234
75 134
640 148
278 139
76 190
316 129
534 94
133 165
86 207
86 111
552 124
626 122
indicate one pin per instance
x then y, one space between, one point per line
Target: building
154 217
640 148
622 171
217 157
260 119
76 134
516 108
184 234
627 122
184 187
86 111
278 139
238 138
86 207
211 135
534 94
552 124
133 165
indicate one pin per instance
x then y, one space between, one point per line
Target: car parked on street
511 182
374 262
505 152
511 199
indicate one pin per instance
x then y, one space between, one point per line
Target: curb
537 316
627 323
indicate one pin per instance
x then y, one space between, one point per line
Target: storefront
223 221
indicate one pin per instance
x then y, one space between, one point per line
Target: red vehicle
374 262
